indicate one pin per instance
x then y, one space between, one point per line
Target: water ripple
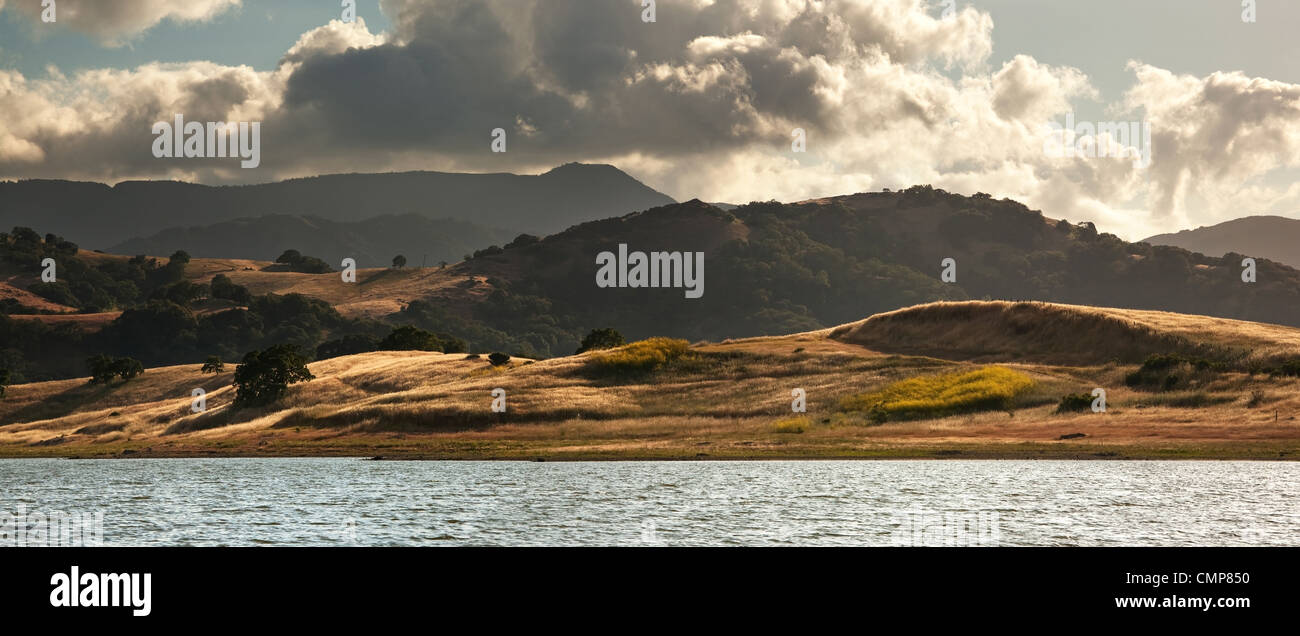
950 502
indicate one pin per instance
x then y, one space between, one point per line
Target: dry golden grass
1062 334
377 292
15 288
89 323
718 400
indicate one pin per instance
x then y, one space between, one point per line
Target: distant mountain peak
1270 236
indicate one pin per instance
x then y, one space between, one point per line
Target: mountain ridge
1263 235
97 215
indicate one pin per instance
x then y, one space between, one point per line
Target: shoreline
1270 451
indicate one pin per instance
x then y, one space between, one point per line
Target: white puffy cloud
1213 134
332 39
115 21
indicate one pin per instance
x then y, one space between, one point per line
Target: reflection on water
951 502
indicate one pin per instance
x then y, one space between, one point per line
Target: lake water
949 502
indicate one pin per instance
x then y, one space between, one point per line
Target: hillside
769 269
715 400
1064 334
1273 237
371 242
98 216
775 268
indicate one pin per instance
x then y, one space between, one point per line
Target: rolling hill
1051 333
1272 237
713 400
97 216
769 269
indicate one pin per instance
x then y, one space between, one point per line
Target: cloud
114 22
1029 91
701 103
1213 134
332 39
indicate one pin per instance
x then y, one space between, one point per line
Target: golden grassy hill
377 293
715 400
996 331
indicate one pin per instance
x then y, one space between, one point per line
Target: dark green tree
213 365
347 345
409 338
223 287
101 369
606 338
127 368
264 376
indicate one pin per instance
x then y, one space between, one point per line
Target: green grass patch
987 389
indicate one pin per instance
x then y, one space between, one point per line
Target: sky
703 102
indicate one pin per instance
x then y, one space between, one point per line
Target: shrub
264 376
607 338
991 388
1166 372
104 368
641 356
213 365
497 359
346 346
1288 367
303 264
223 287
127 368
1074 402
55 292
408 338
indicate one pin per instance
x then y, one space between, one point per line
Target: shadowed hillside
372 242
97 216
775 268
